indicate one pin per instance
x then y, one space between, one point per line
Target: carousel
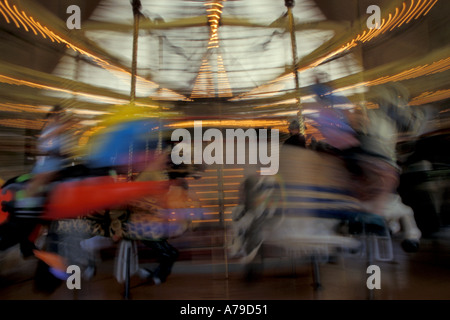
129 75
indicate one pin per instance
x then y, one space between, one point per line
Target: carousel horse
308 212
322 200
81 200
151 221
372 156
379 161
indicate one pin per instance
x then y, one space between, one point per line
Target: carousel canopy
234 59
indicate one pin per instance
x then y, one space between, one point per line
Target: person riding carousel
295 137
52 159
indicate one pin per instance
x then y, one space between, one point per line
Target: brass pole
361 58
136 4
161 124
290 4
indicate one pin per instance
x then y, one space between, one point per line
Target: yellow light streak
406 16
428 97
415 11
28 22
4 15
9 80
25 20
392 23
15 15
430 7
11 16
213 4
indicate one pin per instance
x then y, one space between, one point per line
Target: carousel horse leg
317 284
92 246
44 280
254 268
411 242
167 255
397 210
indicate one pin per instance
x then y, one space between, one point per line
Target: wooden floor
424 275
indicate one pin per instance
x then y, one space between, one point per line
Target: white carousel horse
379 136
314 193
302 210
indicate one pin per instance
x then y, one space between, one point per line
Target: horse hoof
144 273
410 245
90 272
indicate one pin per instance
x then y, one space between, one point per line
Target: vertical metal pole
130 161
290 4
127 273
360 52
317 283
223 223
160 131
136 4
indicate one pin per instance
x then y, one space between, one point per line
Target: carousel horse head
392 100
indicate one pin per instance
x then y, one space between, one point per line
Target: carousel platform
207 273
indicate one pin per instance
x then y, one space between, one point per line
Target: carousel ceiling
217 58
